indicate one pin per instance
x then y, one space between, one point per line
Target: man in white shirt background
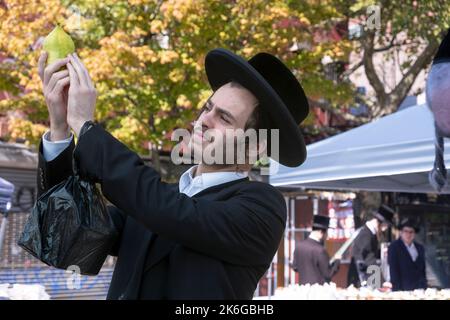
366 250
406 258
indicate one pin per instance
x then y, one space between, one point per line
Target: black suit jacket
312 262
365 252
215 245
405 273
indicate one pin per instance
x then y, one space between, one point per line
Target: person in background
406 259
366 248
311 260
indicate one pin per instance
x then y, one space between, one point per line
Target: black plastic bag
70 226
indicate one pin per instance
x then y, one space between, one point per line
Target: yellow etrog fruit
58 44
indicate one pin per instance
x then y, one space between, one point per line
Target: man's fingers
78 67
52 68
55 77
86 73
41 64
60 84
74 80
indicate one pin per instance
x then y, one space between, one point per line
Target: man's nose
207 120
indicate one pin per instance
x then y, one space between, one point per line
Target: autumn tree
22 23
413 28
146 57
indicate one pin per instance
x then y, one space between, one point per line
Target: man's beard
217 149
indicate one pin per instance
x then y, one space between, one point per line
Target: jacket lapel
406 252
161 247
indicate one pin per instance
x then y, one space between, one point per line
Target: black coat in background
312 263
365 252
405 273
215 245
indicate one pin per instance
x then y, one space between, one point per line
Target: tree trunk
388 102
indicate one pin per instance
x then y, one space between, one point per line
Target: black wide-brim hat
321 222
443 53
408 222
281 98
384 214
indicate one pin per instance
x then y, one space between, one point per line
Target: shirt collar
411 246
186 179
371 228
206 180
313 237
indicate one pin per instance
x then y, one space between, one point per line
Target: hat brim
381 218
223 66
403 225
321 226
416 229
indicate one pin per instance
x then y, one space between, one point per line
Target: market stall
392 154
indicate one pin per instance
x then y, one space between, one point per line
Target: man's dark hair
254 120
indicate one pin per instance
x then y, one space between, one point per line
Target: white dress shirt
412 251
188 184
371 227
51 149
312 236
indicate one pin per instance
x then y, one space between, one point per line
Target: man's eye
207 107
225 119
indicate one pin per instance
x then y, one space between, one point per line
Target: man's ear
262 148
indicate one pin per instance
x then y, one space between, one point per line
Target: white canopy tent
394 153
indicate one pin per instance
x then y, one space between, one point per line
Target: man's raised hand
82 95
55 87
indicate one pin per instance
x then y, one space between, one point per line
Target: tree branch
156 11
401 90
347 73
374 80
389 46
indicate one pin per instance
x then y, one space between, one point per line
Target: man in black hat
366 250
406 259
214 234
438 97
311 260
